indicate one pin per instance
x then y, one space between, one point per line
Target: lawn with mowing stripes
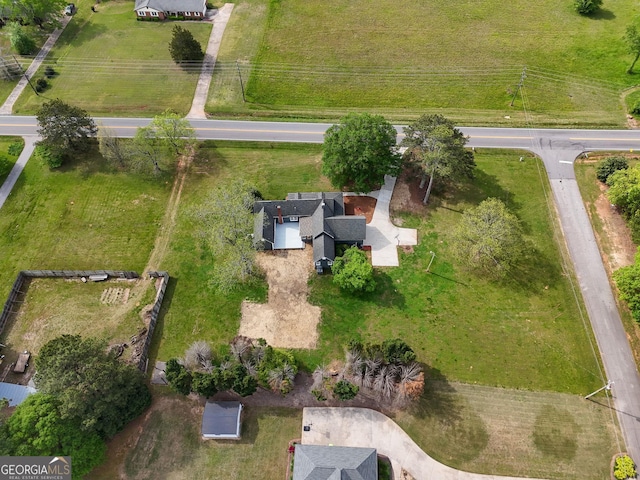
110 64
400 58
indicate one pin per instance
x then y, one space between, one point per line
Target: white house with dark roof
319 462
161 9
317 218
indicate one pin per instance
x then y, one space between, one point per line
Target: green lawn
110 64
318 59
81 216
166 449
513 432
197 311
5 167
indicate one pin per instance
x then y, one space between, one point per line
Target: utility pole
433 255
241 84
523 75
26 76
607 387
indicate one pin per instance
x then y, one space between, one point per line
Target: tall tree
489 238
183 47
38 12
20 39
360 151
226 222
437 147
37 428
632 38
148 152
94 388
175 132
64 129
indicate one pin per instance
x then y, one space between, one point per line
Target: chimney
280 221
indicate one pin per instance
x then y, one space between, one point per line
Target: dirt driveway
287 320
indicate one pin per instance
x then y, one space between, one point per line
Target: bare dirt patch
615 229
407 195
360 205
287 320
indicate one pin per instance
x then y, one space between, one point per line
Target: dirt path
287 320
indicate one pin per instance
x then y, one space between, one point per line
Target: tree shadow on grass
386 294
438 399
602 14
77 34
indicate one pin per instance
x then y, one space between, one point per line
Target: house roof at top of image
15 394
172 5
221 420
319 462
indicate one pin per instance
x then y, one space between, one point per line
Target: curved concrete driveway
361 427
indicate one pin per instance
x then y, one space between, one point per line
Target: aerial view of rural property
319 240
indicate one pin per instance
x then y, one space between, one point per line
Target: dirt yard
287 320
360 205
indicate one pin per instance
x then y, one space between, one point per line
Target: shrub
49 72
204 384
353 272
586 7
20 41
15 149
318 394
624 468
345 390
5 166
41 84
635 110
178 377
49 155
610 165
397 351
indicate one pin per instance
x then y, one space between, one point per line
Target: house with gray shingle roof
317 218
318 462
161 9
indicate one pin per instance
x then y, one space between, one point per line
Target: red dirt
360 205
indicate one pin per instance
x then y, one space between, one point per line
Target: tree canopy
628 282
37 427
436 147
94 388
38 12
610 165
183 47
64 129
586 7
353 271
21 42
489 238
226 221
632 39
360 151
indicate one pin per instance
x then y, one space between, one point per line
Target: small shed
221 420
15 394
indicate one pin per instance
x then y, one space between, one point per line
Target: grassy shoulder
404 57
8 150
110 64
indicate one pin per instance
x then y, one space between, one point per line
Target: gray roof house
317 218
318 462
221 420
161 9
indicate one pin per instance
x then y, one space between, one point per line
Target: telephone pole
241 84
25 75
607 387
523 75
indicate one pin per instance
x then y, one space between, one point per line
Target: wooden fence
157 305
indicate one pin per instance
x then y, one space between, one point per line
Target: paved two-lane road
558 149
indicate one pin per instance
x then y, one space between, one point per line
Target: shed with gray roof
221 420
318 462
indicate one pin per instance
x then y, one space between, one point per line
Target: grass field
513 432
5 167
166 449
319 59
81 216
465 327
110 64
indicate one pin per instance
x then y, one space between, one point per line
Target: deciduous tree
226 222
21 42
94 388
609 166
436 146
489 238
353 272
183 47
37 428
586 7
64 129
175 132
360 151
632 39
113 149
38 12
